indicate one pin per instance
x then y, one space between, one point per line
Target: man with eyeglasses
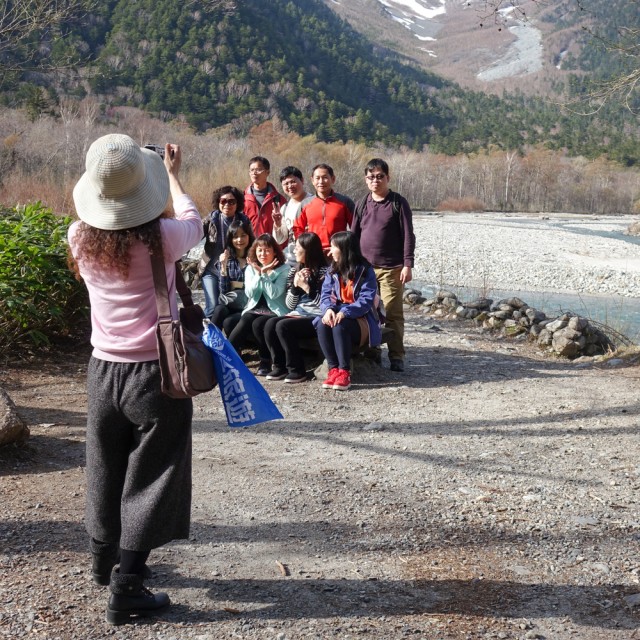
327 213
384 223
262 201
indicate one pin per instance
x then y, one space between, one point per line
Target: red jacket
325 217
261 216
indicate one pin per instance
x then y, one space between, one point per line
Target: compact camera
157 148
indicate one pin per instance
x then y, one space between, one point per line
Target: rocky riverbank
555 253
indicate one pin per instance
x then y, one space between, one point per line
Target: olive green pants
391 291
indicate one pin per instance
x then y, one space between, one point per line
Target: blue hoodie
366 299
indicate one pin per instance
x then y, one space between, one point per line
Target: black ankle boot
104 556
130 599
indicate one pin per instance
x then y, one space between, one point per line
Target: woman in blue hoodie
349 305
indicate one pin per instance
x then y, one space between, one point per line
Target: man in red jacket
328 213
261 199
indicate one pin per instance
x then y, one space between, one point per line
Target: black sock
132 561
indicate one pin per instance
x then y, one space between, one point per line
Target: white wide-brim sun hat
124 185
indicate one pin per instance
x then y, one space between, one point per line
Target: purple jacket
366 300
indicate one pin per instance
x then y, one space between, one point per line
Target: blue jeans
211 288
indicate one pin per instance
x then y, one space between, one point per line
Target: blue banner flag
245 400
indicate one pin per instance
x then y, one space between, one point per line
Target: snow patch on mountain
424 18
524 56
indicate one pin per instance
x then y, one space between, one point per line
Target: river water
621 313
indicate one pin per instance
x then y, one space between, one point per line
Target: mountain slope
299 64
463 42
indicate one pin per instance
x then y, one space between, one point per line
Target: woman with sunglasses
228 206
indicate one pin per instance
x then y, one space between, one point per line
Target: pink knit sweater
123 312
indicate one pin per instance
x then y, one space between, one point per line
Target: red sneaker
331 378
342 381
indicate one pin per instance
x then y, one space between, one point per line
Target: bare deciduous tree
22 20
626 44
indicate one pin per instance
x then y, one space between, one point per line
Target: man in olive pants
384 223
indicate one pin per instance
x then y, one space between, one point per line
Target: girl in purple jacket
349 307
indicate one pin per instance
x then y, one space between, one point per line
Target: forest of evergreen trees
298 64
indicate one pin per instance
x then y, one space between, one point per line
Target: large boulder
12 427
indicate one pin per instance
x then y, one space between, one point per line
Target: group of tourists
138 440
282 271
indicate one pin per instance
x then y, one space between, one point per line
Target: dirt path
487 492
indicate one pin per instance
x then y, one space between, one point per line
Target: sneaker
395 364
342 381
264 369
331 378
277 374
296 377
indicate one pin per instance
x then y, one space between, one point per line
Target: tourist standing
228 204
261 198
138 440
327 213
383 221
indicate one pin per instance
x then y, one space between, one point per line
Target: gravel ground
525 253
487 492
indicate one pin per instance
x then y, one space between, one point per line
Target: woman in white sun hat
138 464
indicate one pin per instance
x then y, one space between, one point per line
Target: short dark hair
268 239
235 192
377 163
262 160
291 171
326 167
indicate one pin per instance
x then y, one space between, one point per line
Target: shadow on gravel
286 599
447 366
42 454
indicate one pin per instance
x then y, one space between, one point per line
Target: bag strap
161 288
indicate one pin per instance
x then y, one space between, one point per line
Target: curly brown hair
111 250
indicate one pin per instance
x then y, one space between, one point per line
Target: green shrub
39 297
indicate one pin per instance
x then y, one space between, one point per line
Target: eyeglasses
256 171
378 176
229 201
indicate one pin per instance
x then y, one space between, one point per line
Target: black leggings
225 318
251 323
283 335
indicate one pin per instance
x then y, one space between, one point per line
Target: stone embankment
568 335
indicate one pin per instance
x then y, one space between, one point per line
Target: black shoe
131 600
277 374
264 369
396 364
296 377
104 556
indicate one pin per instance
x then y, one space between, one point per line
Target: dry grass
43 161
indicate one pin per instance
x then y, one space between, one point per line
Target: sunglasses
378 176
229 201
